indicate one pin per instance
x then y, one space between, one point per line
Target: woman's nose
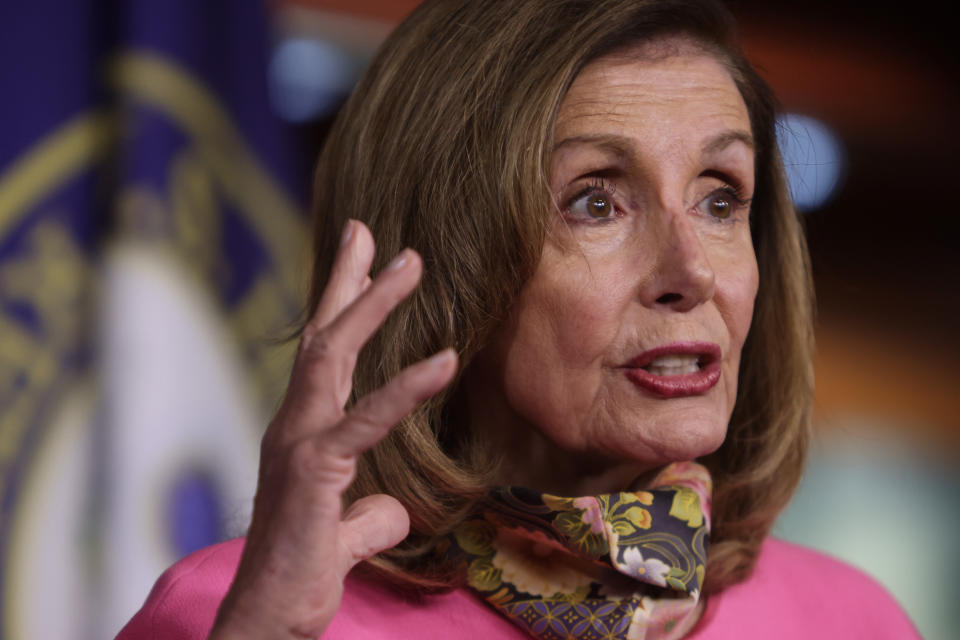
682 277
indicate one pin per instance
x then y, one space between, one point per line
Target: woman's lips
676 370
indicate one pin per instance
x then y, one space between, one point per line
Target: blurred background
154 175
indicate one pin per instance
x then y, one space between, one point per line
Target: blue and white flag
152 245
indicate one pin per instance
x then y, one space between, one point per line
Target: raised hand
300 546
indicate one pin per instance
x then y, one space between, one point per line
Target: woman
603 241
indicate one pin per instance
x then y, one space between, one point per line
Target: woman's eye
596 204
720 206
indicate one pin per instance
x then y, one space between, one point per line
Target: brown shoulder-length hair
443 147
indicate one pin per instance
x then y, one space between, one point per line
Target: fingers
350 310
323 372
357 322
317 469
369 526
349 275
299 547
376 413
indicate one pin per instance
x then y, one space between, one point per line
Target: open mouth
677 359
675 365
677 369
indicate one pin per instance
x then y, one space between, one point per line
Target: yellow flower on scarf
686 507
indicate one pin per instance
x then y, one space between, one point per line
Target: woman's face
621 352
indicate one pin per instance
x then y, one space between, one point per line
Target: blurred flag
150 246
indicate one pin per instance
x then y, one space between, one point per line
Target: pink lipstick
676 370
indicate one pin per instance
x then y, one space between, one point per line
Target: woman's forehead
619 88
682 102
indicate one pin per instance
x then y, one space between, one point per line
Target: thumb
370 525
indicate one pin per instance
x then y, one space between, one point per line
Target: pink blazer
794 594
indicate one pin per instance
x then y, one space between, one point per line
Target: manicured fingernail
398 262
347 232
441 359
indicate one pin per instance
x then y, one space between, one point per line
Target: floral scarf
625 566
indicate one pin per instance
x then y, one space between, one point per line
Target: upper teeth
674 365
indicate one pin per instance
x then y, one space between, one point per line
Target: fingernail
347 232
442 358
398 262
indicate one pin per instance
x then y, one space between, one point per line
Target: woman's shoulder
184 601
796 592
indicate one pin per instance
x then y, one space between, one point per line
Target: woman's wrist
258 611
256 628
255 620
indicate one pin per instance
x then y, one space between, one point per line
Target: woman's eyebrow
625 148
620 146
724 139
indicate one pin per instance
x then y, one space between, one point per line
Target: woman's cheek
737 285
584 321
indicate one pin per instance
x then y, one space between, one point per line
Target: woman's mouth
677 369
673 365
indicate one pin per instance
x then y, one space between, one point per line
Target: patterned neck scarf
625 566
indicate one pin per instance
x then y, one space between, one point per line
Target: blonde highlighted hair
443 147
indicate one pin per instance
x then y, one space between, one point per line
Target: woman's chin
631 462
691 435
